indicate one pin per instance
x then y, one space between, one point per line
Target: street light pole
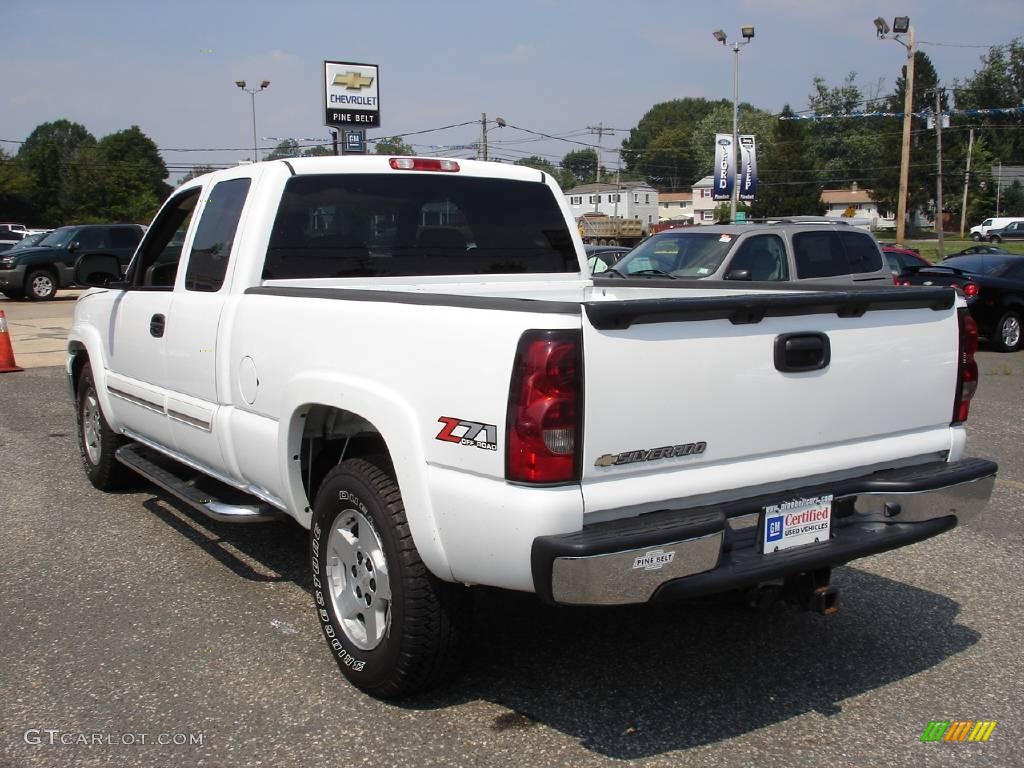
900 26
252 95
747 32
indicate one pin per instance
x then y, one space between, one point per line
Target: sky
553 66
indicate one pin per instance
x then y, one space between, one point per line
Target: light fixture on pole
747 33
901 26
252 94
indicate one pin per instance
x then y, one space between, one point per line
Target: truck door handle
800 352
156 326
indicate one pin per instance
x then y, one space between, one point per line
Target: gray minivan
783 251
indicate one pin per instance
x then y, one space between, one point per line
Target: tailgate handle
800 352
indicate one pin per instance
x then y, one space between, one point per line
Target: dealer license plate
795 523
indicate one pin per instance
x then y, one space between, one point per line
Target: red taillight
544 409
901 281
971 290
423 164
967 368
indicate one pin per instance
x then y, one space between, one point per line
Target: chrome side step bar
131 456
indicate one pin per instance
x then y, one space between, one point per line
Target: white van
979 232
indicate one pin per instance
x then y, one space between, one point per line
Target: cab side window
93 239
156 265
211 247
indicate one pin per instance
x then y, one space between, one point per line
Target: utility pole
618 181
999 185
938 176
600 131
908 108
967 183
483 136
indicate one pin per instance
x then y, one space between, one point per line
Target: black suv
38 272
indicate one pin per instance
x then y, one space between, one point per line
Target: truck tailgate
689 398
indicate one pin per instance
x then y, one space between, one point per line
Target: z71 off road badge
465 432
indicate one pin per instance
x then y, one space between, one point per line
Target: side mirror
98 270
73 246
738 274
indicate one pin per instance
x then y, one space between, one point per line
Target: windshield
680 254
981 263
29 241
58 238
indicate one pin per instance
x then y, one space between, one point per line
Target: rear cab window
384 225
832 253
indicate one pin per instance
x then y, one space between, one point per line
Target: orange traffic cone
7 364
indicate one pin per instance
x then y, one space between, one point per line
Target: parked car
11 231
978 249
38 272
776 252
600 257
981 231
6 245
30 240
993 284
1012 231
901 260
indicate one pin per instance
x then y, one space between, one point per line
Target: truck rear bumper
678 554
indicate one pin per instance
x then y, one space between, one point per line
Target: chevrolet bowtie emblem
353 81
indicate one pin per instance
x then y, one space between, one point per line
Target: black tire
428 620
976 237
995 239
1007 335
40 285
103 470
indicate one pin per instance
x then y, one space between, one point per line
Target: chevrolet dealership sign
351 97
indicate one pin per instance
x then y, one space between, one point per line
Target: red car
900 259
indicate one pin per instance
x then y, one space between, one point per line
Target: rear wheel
995 239
40 285
976 237
393 627
1007 337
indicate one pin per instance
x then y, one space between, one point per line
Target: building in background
703 205
675 206
629 199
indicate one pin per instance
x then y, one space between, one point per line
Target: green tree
1012 203
126 183
17 191
719 120
285 149
659 148
582 165
565 179
846 148
49 155
787 173
921 180
320 150
999 82
393 146
197 170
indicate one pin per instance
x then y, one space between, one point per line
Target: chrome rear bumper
675 554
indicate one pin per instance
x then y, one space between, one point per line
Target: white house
675 206
628 199
703 205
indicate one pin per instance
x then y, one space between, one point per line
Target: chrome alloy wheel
42 286
357 579
91 428
1010 332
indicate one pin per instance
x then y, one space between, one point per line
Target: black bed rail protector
505 303
746 309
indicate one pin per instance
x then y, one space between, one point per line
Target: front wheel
393 627
995 239
976 237
40 285
1008 332
97 442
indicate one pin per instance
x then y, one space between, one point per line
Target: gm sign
351 95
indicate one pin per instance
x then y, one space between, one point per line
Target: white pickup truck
408 357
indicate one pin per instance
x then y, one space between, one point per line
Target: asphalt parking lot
131 617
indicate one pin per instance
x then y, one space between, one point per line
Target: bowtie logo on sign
353 81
